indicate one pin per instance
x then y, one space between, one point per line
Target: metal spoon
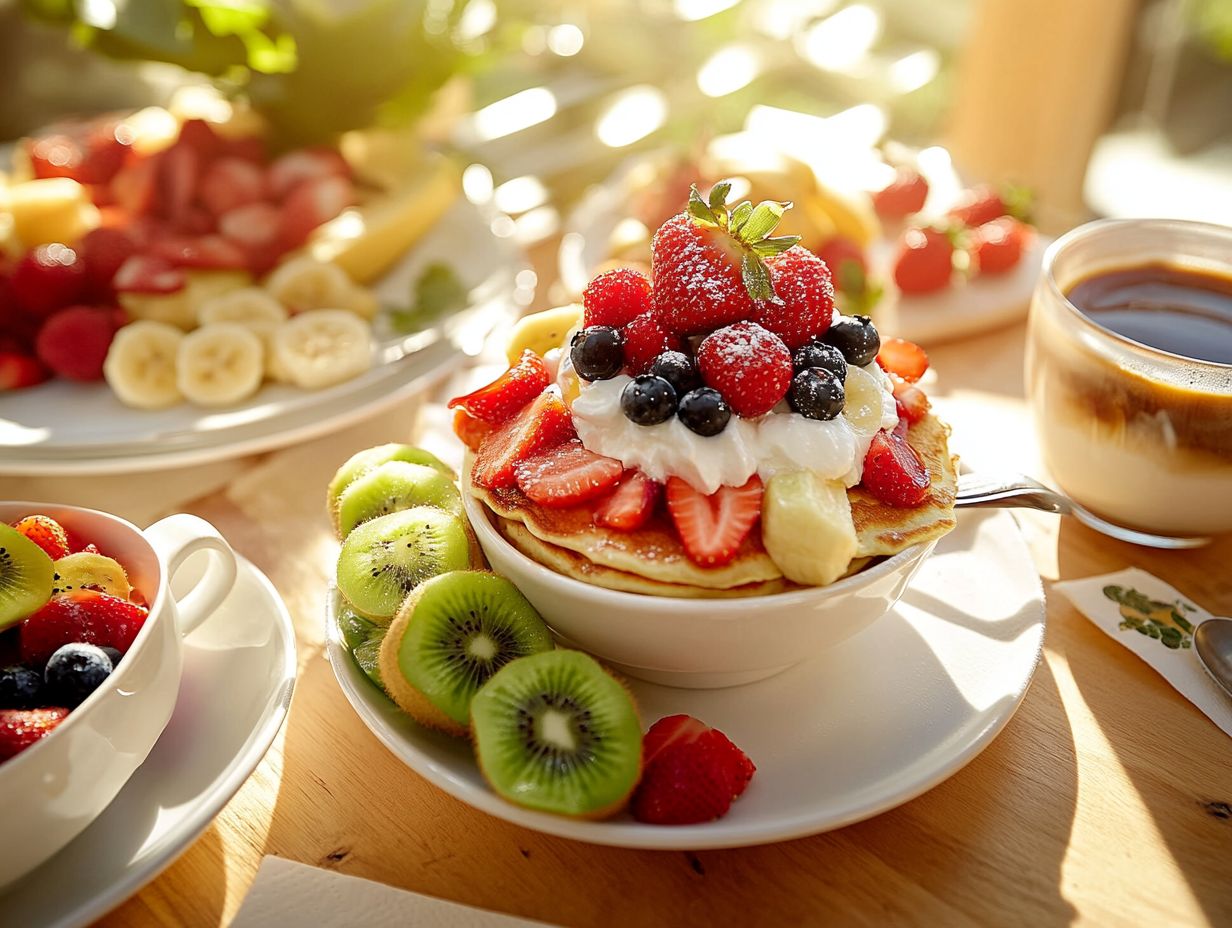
1015 491
1213 642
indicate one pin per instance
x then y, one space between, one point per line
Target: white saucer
239 670
864 727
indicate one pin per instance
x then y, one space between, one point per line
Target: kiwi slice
87 570
451 635
387 557
26 574
391 487
558 733
361 462
363 639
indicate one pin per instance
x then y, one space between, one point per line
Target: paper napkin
286 894
1156 622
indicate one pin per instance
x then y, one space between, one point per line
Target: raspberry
615 298
749 365
804 298
645 340
74 341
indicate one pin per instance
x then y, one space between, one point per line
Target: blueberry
816 393
115 655
19 687
74 672
678 369
856 337
648 400
704 411
819 354
597 352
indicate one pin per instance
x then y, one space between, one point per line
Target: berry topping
712 528
924 262
903 358
998 245
566 475
597 352
709 263
691 773
819 354
498 401
83 616
74 341
856 337
472 431
542 424
704 411
20 728
803 303
48 278
816 394
893 471
978 206
615 298
910 400
749 365
678 369
75 671
47 533
631 504
20 687
648 400
905 195
645 340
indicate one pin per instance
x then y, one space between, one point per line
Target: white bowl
52 790
699 643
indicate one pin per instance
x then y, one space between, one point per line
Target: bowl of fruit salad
706 476
90 661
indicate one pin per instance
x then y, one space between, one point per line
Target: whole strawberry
615 298
748 364
925 261
49 277
708 263
20 728
84 615
692 773
75 340
903 196
803 303
998 245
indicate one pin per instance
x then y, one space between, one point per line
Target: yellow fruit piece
367 240
807 527
851 212
55 209
152 129
382 157
86 570
181 309
541 332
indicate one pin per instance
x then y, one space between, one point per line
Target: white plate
864 727
239 670
69 428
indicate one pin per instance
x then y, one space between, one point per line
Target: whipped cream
779 441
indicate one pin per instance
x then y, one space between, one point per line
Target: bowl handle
175 538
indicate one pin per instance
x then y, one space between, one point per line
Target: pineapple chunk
54 209
807 527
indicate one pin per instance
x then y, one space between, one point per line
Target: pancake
567 540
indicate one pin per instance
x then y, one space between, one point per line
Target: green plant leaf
768 247
438 292
756 277
740 215
765 217
718 196
700 210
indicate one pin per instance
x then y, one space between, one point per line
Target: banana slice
305 283
863 401
86 570
251 307
140 365
321 348
220 364
361 301
183 307
542 331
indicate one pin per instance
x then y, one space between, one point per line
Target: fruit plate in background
960 650
69 428
239 671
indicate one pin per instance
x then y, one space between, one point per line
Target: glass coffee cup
1129 372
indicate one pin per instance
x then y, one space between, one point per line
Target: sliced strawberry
631 505
903 358
20 370
668 731
691 773
45 532
178 172
135 186
312 203
84 615
20 728
566 475
148 274
199 135
302 165
211 252
230 183
713 527
196 221
542 424
498 401
248 148
894 473
103 251
255 225
472 431
912 402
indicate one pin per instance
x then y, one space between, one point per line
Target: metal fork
1016 491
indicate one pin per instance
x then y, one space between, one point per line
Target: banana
321 348
219 364
251 307
305 283
182 308
807 527
140 365
851 212
87 570
542 331
863 401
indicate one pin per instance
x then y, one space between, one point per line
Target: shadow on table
1151 727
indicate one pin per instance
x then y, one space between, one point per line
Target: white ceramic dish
239 671
52 790
68 428
861 728
699 643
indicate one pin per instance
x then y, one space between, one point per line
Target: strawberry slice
542 424
312 203
912 403
472 431
135 186
177 180
20 728
691 773
231 183
148 274
302 165
631 505
211 252
199 135
497 401
902 358
45 532
566 475
713 527
893 471
83 615
19 370
254 225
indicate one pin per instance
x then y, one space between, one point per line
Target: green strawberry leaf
756 277
700 210
765 217
740 215
768 247
718 195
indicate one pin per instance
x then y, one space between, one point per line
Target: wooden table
1107 799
